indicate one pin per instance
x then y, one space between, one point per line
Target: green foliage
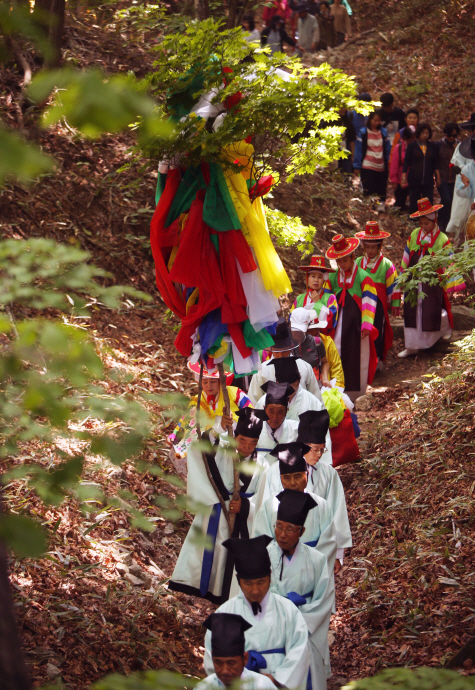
290 231
147 680
420 679
429 270
93 104
19 159
48 375
43 274
274 109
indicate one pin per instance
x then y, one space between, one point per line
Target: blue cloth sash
265 450
208 555
312 543
299 599
256 660
247 495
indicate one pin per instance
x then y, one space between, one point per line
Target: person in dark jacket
392 117
420 167
371 157
348 142
328 37
445 150
275 36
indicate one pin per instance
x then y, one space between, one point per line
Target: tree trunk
13 674
49 14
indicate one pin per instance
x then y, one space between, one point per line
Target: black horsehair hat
250 422
291 457
470 124
251 558
227 634
283 337
467 147
313 426
277 393
286 369
294 506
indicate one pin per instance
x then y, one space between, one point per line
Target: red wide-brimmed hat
372 232
318 263
342 246
425 207
195 368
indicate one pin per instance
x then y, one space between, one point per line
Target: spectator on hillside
275 36
420 166
278 7
358 120
348 141
326 23
342 21
372 158
345 4
251 35
396 165
412 120
445 150
308 31
392 117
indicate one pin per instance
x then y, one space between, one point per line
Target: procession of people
274 415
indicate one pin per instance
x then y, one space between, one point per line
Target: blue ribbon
299 599
256 660
312 543
265 450
247 495
208 555
309 681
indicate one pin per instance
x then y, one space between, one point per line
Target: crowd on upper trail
273 529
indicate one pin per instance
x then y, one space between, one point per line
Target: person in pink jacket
395 167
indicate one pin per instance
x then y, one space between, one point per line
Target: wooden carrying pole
224 508
227 411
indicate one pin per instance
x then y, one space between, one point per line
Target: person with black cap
205 572
286 371
283 347
300 573
277 642
319 526
307 29
323 480
277 428
229 655
460 205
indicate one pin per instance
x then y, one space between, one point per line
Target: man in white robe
300 573
277 428
283 348
319 528
277 642
202 568
286 371
229 655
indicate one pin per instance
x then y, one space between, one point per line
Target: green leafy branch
438 268
290 231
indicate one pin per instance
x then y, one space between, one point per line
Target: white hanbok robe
302 402
286 433
267 373
460 204
187 574
324 481
319 526
280 626
306 573
248 681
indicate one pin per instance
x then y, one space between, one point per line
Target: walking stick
226 513
227 411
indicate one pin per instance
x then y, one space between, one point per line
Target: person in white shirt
229 655
277 642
